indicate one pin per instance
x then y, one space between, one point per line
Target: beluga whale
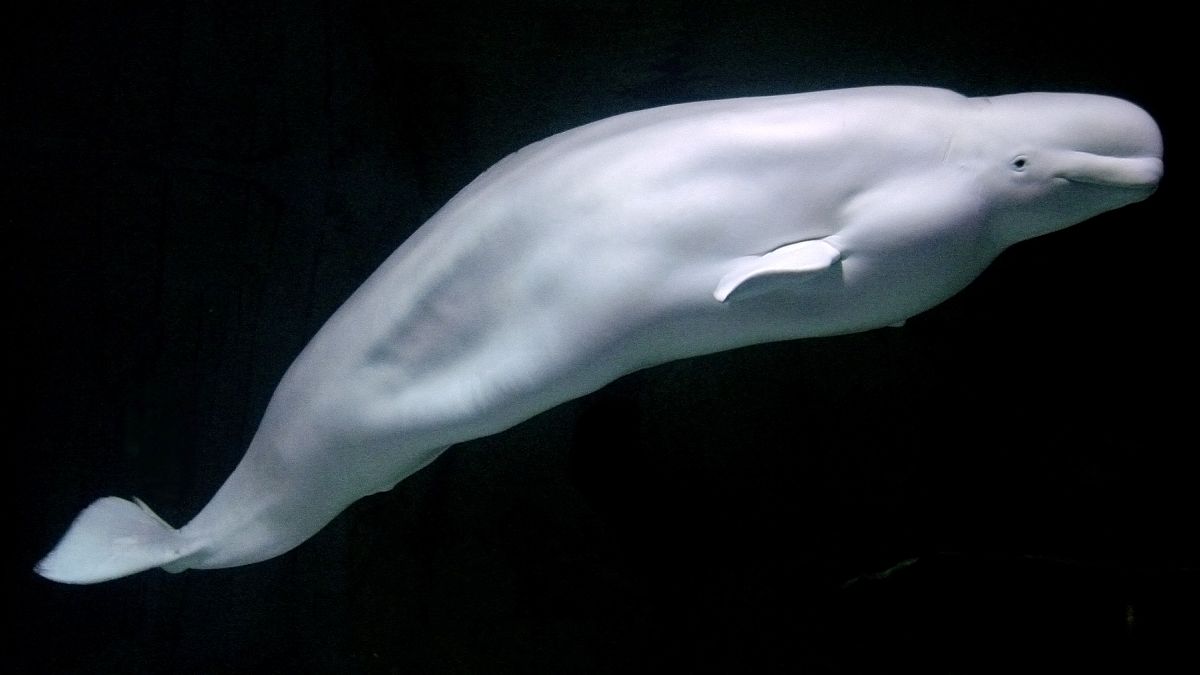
638 239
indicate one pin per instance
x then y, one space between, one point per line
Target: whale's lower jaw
1140 174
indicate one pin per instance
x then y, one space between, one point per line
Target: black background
192 188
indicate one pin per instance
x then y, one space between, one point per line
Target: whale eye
1019 163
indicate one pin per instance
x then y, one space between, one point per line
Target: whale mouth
1129 173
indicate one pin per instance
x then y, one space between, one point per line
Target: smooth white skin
599 251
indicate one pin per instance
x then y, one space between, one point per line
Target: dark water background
190 189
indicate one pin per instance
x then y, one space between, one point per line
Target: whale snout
1091 139
1113 144
1137 173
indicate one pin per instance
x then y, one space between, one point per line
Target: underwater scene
867 381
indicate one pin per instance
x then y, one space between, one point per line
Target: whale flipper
802 258
113 538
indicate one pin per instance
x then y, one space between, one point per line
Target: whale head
1047 161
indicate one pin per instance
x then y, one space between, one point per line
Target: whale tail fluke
113 538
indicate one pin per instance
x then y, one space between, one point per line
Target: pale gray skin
644 238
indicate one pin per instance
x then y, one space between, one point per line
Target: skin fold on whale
628 242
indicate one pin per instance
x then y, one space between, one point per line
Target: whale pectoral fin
801 259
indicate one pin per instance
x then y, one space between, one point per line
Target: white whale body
628 242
